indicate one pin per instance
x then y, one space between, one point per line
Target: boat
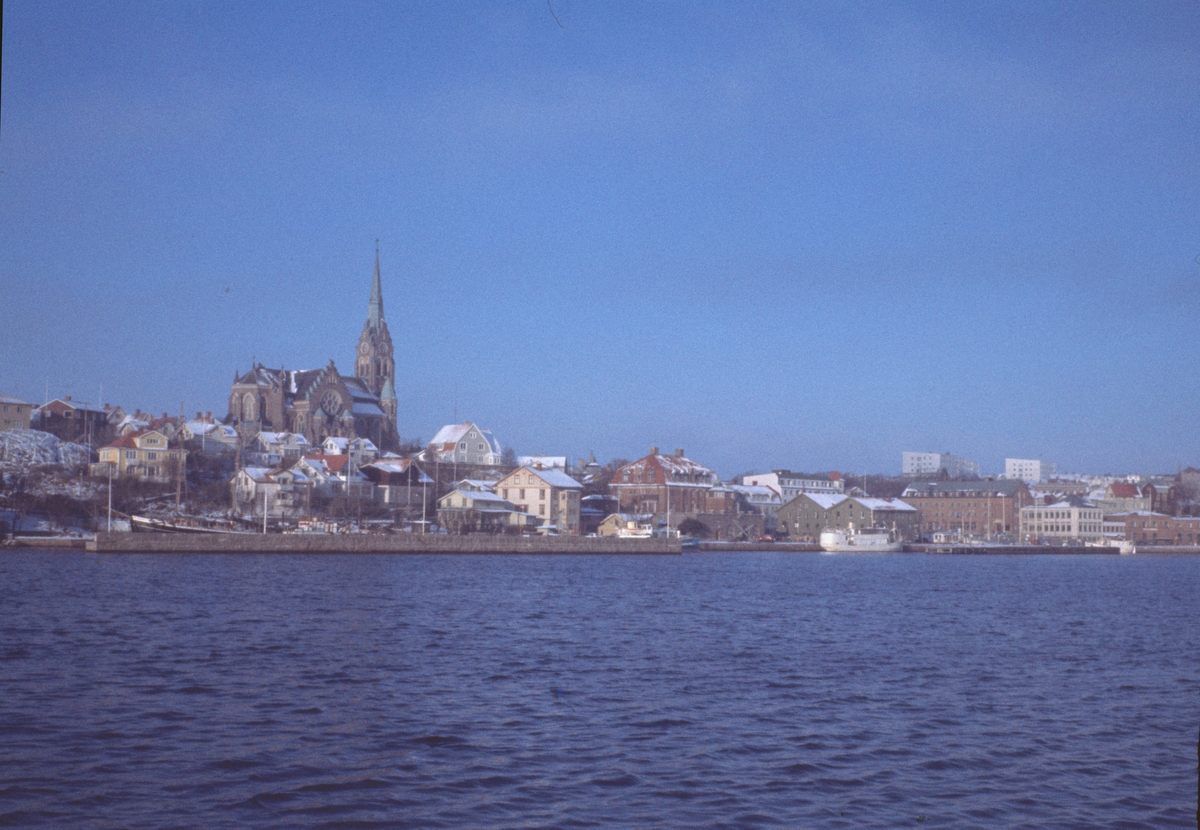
861 540
184 524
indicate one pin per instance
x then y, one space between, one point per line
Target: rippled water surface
710 690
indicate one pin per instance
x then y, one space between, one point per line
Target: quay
122 542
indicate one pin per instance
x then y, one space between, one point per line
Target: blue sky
775 235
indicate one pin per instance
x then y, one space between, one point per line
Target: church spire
375 307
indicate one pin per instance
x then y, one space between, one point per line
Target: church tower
375 361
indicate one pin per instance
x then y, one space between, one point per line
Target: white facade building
463 443
789 485
918 464
1062 522
1030 470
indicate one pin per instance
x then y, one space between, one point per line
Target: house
400 482
14 413
550 494
463 443
279 448
804 517
627 524
1071 520
472 511
1125 497
212 436
72 420
337 475
974 507
145 456
789 485
1163 495
278 492
360 450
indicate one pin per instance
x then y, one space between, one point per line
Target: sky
807 236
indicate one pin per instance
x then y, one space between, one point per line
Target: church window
249 409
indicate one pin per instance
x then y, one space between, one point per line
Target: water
712 690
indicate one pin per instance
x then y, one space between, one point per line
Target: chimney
197 416
67 398
679 452
653 450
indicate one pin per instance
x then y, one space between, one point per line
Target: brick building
978 508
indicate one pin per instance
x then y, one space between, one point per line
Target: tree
509 457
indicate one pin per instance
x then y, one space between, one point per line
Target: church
319 403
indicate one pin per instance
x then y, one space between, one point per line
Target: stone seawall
372 543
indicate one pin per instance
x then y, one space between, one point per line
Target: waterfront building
14 413
318 403
764 500
464 443
475 511
1073 520
145 456
789 485
550 494
804 517
1029 470
981 507
1145 527
629 524
657 483
923 464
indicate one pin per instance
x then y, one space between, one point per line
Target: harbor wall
373 543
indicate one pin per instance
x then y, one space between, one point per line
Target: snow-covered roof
10 399
479 496
755 492
366 408
555 478
884 504
290 438
825 500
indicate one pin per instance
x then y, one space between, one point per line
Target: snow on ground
21 449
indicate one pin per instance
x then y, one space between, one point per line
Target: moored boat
862 540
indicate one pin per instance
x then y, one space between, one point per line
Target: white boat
862 540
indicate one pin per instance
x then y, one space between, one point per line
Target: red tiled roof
1125 490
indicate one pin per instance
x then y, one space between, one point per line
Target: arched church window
249 408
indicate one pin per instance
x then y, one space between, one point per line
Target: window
542 494
131 455
462 445
504 494
481 447
151 456
541 510
521 493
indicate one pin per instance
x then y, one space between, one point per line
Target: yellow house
549 494
14 412
144 456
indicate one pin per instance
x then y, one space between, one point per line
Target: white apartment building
1030 470
1062 522
789 485
917 464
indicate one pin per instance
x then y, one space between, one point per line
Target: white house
463 443
280 492
1029 470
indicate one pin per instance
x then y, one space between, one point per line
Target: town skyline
805 241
